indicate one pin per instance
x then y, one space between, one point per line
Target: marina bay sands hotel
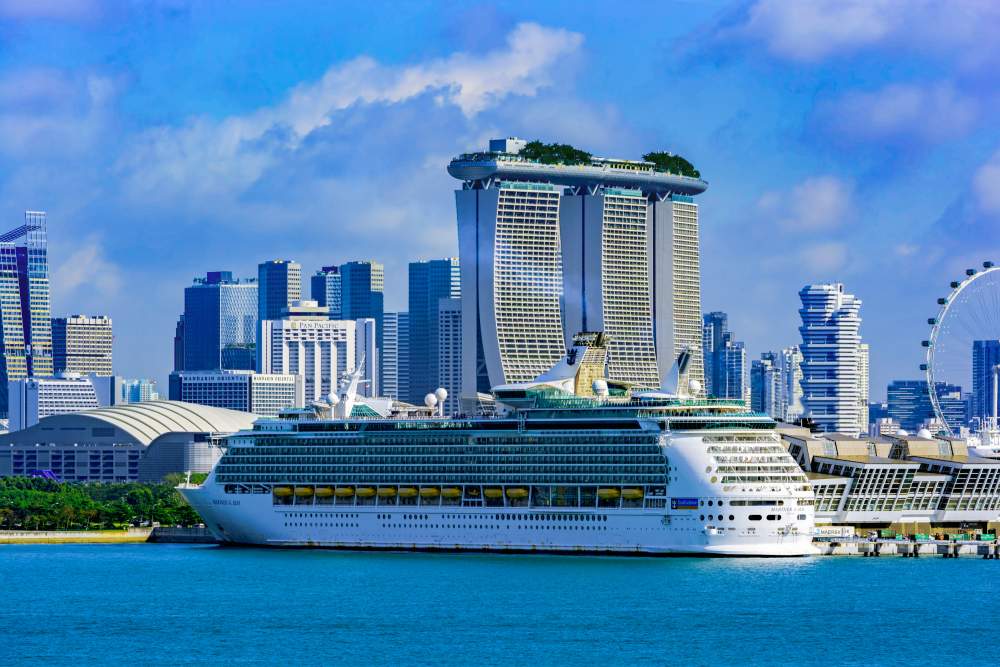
550 247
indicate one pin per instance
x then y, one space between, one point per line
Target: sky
850 141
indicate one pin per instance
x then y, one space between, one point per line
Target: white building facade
32 399
320 350
264 394
831 368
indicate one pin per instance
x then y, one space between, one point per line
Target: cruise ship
571 462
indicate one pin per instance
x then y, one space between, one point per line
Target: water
184 604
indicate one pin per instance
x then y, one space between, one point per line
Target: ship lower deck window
755 517
774 517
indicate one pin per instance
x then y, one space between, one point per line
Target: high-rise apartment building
220 323
985 358
831 368
82 344
449 350
864 391
324 289
264 394
429 282
790 374
306 342
395 355
25 315
550 249
909 403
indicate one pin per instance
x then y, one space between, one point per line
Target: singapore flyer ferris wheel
970 313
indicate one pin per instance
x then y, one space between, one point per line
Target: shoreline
130 536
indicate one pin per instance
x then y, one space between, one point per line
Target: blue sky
849 141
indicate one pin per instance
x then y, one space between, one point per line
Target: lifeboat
608 494
493 493
429 492
384 492
517 494
344 492
632 494
324 492
407 492
303 491
451 493
282 491
365 492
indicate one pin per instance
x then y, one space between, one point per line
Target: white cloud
811 31
903 111
818 203
986 185
961 30
824 258
208 157
86 273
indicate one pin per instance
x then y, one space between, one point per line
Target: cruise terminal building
133 442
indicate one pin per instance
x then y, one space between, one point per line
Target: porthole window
701 518
709 503
731 517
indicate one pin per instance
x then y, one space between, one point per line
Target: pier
868 548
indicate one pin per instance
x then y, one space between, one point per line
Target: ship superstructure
570 462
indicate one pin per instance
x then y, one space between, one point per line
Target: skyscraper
429 282
985 357
395 355
449 344
790 371
550 249
724 358
324 289
220 323
361 287
179 344
715 325
765 385
909 403
25 315
279 283
82 344
830 332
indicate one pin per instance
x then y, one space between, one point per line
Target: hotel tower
550 250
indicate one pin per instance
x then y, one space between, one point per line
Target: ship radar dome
441 394
694 387
430 400
332 398
600 387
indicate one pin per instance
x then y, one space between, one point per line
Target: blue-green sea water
184 604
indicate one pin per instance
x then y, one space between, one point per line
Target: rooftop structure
506 160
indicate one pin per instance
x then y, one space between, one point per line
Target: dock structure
869 548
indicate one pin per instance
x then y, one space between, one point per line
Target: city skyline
841 155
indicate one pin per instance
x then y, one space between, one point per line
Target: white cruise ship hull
252 519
